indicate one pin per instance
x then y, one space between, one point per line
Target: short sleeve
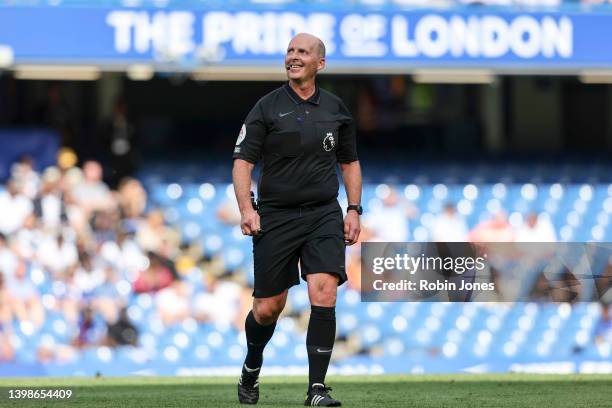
347 145
251 137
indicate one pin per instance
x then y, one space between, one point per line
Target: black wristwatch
355 207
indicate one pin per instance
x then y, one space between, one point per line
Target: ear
321 64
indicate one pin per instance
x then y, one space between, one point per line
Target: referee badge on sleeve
241 135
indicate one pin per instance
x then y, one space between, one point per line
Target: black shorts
312 236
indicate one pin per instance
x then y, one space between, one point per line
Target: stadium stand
169 248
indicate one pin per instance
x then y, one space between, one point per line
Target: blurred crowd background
120 246
165 273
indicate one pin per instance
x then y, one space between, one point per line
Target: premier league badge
329 142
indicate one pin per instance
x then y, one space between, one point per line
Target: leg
275 256
322 288
259 326
323 267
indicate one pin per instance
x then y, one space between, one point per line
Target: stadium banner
486 272
184 40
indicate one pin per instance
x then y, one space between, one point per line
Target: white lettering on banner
525 36
265 33
557 37
466 36
248 36
122 22
431 33
400 43
494 31
170 34
363 36
180 39
289 25
217 29
147 31
488 36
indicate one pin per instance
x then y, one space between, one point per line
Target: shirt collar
314 99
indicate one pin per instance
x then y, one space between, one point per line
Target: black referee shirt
300 143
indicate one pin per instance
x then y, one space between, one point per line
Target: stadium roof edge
139 71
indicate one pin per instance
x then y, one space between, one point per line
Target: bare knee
267 310
323 292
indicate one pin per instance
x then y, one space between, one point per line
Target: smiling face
305 57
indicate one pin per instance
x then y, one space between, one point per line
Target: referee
300 133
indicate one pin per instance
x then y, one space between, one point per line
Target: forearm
351 174
241 176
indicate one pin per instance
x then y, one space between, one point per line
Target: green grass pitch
468 390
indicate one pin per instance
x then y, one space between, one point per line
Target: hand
249 222
352 228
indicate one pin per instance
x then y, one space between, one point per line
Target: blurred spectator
228 211
14 207
173 302
88 276
51 352
603 285
389 222
25 176
155 277
566 287
56 253
132 199
221 302
91 193
449 226
154 235
603 331
26 302
497 229
66 159
8 259
87 333
27 239
541 291
6 349
104 225
5 305
106 298
49 204
78 216
353 259
122 332
71 296
536 229
124 254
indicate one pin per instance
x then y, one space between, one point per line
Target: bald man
299 133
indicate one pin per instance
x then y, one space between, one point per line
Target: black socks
257 338
320 342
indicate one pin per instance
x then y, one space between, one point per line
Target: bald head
314 41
